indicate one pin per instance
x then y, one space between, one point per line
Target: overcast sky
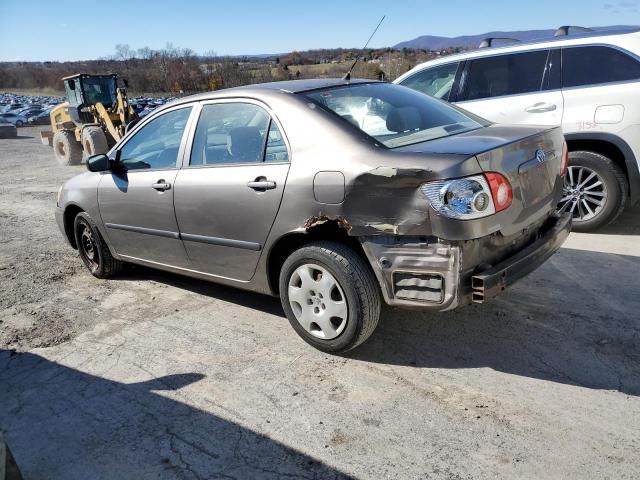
88 29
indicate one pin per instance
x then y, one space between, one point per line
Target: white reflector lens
502 196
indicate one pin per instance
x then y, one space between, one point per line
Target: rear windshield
395 115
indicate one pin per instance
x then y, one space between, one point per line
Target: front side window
511 74
394 115
230 133
597 65
436 81
157 143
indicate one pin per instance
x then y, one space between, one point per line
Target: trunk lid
528 156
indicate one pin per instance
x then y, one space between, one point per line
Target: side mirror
98 163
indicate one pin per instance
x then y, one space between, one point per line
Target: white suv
587 83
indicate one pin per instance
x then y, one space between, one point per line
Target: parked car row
21 110
145 105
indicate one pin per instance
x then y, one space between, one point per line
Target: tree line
175 70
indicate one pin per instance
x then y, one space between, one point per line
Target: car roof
258 89
611 37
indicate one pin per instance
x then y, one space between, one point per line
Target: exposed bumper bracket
491 282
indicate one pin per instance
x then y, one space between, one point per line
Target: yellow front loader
94 117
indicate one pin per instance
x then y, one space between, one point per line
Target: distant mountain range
431 42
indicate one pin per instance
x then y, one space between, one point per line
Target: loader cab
84 91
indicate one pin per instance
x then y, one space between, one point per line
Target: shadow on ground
19 137
65 424
575 321
626 224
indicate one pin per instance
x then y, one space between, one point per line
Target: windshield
394 115
99 90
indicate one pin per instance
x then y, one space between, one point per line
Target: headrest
351 119
403 119
245 144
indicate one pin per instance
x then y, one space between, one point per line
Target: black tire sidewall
315 255
604 168
82 219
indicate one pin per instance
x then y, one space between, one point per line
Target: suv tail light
564 162
500 190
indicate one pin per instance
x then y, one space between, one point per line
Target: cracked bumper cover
430 273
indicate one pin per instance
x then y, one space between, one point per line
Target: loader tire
94 141
67 150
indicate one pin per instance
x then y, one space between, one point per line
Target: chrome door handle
262 185
161 185
541 107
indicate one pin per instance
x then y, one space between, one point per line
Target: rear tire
343 284
595 192
94 141
93 250
19 123
66 149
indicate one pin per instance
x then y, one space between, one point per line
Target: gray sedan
335 195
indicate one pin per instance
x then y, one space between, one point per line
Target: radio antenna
347 76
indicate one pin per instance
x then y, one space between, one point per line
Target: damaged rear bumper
430 273
491 282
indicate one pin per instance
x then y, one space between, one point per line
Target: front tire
595 191
66 149
330 296
94 141
93 250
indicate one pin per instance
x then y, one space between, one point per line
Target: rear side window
436 81
511 74
596 65
229 133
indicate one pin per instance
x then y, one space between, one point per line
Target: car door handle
262 184
541 107
161 185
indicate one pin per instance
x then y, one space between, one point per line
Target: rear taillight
500 190
564 161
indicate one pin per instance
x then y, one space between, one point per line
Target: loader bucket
46 137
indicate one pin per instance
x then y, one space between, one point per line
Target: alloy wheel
318 302
584 194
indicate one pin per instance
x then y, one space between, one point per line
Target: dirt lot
154 376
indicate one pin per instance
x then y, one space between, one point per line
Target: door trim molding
224 242
143 230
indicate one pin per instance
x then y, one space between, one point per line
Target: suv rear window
511 74
436 81
595 65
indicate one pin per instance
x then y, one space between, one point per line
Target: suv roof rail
563 31
488 42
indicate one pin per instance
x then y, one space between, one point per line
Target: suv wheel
330 296
93 249
595 191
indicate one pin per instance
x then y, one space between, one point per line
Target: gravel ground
151 375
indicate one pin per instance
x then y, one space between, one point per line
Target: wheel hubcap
317 301
584 194
88 246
